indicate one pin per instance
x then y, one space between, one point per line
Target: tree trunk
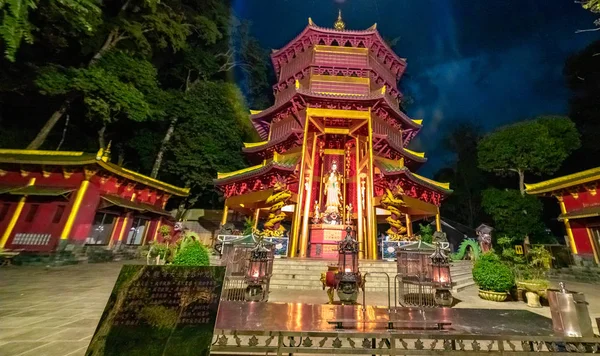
101 140
522 181
39 140
163 148
111 41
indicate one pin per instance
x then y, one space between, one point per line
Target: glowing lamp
258 273
258 264
440 277
348 253
348 279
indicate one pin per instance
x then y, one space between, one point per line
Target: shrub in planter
491 275
193 254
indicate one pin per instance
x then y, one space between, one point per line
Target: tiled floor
54 311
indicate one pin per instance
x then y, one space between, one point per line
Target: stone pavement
54 311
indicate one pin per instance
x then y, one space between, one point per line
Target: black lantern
348 279
257 273
348 253
440 276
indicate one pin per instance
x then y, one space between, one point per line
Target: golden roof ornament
106 154
339 24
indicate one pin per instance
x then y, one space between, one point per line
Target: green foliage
535 147
426 232
540 258
193 254
492 275
248 226
513 214
209 138
159 249
16 27
165 232
112 88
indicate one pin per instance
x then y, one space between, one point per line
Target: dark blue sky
490 62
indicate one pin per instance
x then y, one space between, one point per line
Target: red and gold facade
580 211
336 103
52 198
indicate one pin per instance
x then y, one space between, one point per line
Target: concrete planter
493 296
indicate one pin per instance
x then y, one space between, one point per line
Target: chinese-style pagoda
335 147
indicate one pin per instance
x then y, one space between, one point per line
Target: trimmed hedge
193 254
492 275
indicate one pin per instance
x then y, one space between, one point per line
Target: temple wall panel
581 237
36 222
382 71
339 87
296 65
337 59
284 127
582 199
87 210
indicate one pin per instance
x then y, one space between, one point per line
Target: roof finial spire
339 24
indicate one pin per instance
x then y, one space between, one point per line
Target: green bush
492 275
193 254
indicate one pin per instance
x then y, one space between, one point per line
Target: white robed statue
333 191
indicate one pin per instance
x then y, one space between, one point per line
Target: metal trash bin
570 316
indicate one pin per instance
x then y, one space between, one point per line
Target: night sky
490 62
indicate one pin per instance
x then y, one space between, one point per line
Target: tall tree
531 147
514 215
208 139
118 86
16 27
141 26
465 177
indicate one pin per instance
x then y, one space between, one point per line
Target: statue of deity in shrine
333 191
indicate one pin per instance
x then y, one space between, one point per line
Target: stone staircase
299 274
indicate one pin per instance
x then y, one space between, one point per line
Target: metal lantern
348 279
440 277
348 253
257 273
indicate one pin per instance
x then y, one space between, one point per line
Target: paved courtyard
54 311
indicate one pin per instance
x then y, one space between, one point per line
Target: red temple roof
71 158
311 35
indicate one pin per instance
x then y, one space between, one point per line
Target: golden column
15 217
371 234
308 187
358 180
409 231
298 208
225 213
256 217
438 221
75 209
563 210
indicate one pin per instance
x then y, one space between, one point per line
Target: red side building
54 198
580 211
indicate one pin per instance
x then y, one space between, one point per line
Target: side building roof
563 182
73 158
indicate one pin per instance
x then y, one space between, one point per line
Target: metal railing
394 343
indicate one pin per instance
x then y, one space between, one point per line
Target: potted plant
493 277
533 278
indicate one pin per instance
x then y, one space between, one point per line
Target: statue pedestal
324 240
